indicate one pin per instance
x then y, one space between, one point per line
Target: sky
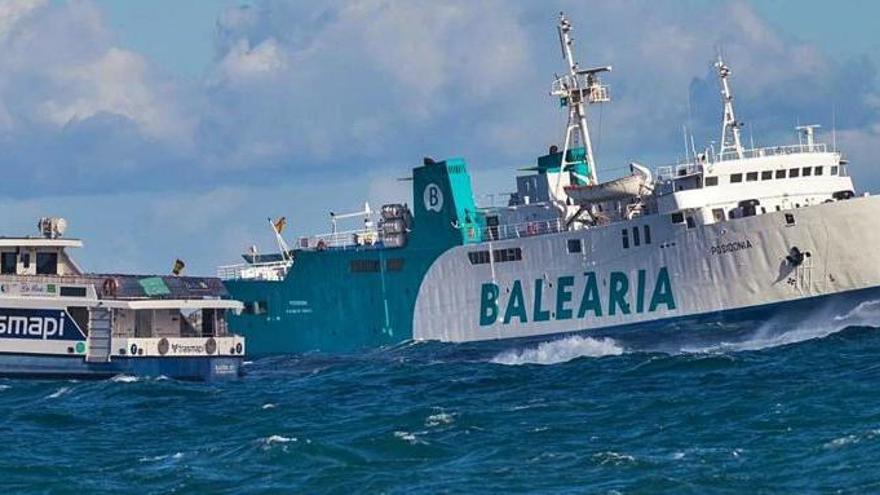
169 129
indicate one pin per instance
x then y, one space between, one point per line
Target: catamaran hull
576 282
75 367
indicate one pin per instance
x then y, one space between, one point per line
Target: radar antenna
730 128
575 89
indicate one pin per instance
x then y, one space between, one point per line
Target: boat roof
10 242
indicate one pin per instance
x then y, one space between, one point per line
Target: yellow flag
179 265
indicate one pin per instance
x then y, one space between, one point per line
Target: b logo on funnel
433 198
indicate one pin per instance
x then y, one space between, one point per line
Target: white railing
348 238
524 229
684 168
271 271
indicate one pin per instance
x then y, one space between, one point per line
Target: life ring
163 346
532 228
134 349
322 245
110 287
210 345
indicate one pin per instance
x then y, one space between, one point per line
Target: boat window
794 173
364 266
711 181
817 171
636 237
647 234
752 176
767 175
394 264
780 174
834 170
574 246
499 255
47 263
789 218
479 257
72 291
807 171
625 233
677 217
26 260
734 178
718 214
8 263
509 254
690 222
842 171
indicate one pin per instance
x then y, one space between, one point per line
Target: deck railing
667 172
270 271
524 229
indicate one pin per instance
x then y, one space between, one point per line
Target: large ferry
57 321
728 235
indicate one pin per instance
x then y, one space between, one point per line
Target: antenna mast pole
730 135
578 88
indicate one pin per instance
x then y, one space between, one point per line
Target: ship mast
575 89
730 138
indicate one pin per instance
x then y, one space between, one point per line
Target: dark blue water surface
797 412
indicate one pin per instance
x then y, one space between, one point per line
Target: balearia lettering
576 299
730 247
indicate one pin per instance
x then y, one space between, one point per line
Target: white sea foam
124 379
277 439
5 387
438 419
58 393
408 437
175 456
268 405
560 351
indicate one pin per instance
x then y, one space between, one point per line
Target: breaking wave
560 351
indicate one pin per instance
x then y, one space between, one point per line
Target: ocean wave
124 379
560 351
58 393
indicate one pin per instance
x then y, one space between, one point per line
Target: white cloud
13 11
243 63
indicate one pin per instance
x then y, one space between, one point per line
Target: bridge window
364 266
636 237
752 176
735 178
647 234
780 174
691 223
8 263
65 291
817 171
833 170
479 257
47 263
794 173
767 175
711 181
574 246
625 233
807 171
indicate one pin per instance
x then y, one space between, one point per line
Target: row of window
499 255
792 173
373 266
637 238
47 263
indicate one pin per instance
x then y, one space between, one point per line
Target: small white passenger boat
57 321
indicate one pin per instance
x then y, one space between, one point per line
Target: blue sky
167 129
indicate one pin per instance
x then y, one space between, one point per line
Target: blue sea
790 411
